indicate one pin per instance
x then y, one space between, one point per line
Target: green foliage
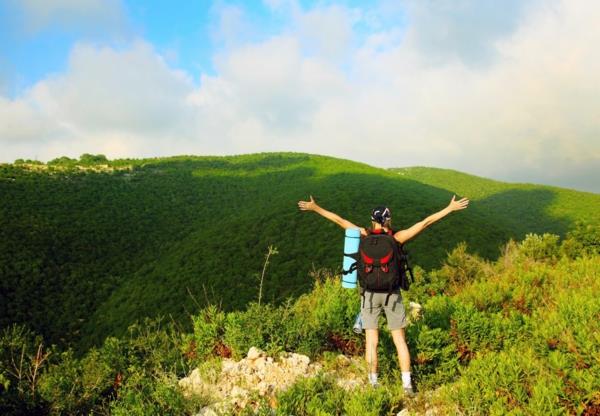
208 327
318 396
540 247
88 247
540 362
259 326
518 336
318 321
475 331
23 359
88 159
461 267
434 355
64 161
322 396
136 374
582 240
159 395
373 402
78 385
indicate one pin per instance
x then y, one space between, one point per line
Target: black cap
381 214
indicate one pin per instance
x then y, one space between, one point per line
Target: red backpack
381 264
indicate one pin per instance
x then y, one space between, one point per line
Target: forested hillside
89 246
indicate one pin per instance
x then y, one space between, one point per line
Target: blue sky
187 33
507 90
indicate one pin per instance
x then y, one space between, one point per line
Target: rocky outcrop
258 373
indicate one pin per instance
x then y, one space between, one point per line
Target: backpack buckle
368 268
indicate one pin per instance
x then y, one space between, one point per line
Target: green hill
513 202
89 246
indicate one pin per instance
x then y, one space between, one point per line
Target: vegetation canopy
89 246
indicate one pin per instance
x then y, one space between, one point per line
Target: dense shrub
258 326
433 355
315 322
540 247
461 267
207 336
76 386
158 395
582 240
313 396
324 318
322 396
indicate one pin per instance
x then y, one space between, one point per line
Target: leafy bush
501 382
427 285
461 267
584 239
475 331
77 386
540 247
258 326
374 402
89 159
433 355
209 328
437 312
23 359
324 318
158 395
315 322
312 396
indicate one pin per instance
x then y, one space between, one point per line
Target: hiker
381 221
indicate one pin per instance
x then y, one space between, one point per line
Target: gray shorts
373 303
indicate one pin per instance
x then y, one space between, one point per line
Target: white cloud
232 24
521 103
464 30
123 102
327 30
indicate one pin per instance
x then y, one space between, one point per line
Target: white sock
406 380
373 378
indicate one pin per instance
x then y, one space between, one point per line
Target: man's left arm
403 236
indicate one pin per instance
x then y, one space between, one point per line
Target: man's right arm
313 206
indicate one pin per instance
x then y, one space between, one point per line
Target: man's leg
403 358
372 339
401 349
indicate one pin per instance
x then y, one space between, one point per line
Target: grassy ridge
89 246
514 204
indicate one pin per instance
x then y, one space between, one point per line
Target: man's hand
307 205
455 205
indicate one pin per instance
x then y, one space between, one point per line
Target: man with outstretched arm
381 219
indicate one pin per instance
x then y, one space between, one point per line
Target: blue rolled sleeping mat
350 247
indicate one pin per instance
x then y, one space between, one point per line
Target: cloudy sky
504 89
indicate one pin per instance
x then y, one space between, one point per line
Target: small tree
88 159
